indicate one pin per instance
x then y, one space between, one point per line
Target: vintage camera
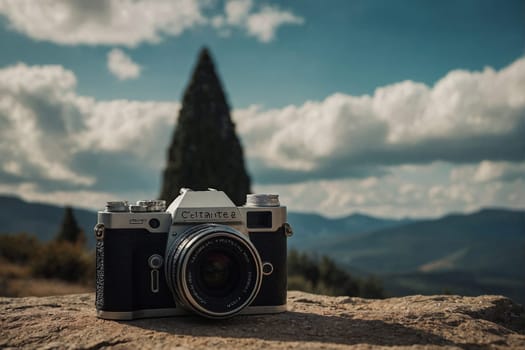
203 255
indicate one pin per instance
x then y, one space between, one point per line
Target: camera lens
213 270
218 273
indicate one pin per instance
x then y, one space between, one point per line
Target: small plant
63 260
18 248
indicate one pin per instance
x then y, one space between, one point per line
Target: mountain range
42 220
477 253
470 254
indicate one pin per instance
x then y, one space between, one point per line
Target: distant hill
42 220
483 252
488 240
314 228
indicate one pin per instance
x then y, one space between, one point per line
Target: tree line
65 257
322 275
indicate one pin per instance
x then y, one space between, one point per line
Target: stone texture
313 322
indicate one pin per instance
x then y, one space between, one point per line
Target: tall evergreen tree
205 151
69 230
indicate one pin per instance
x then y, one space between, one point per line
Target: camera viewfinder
259 219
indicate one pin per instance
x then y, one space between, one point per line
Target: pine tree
205 151
69 230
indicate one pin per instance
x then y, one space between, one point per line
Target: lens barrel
213 270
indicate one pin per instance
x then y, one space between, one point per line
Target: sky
409 108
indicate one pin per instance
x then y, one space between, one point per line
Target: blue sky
343 46
392 108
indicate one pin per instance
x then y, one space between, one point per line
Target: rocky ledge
313 322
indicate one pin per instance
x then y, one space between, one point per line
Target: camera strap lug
99 232
288 231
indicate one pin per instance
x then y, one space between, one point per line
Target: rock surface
313 322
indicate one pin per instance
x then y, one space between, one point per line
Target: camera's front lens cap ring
155 261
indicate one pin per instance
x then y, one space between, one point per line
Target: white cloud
405 192
264 24
45 126
122 66
112 22
237 11
31 140
465 117
135 127
132 22
488 171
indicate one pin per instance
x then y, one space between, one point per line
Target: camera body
202 255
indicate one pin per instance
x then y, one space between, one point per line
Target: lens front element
213 270
218 273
